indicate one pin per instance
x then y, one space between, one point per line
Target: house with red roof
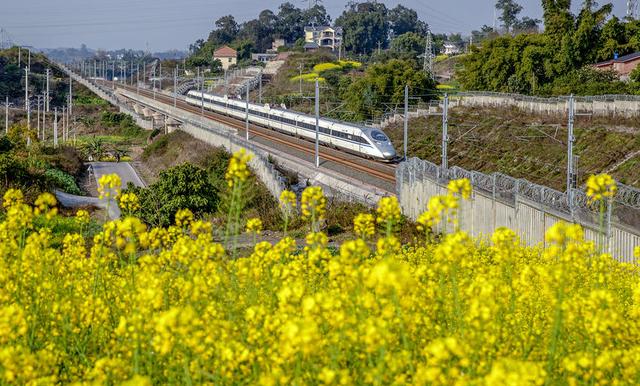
623 65
227 56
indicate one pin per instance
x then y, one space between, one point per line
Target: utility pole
27 105
154 83
406 120
317 124
44 120
6 116
160 76
19 56
202 99
246 113
38 116
138 78
70 95
113 74
175 86
55 127
64 114
260 88
46 99
570 141
300 77
445 135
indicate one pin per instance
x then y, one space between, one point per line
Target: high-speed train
365 141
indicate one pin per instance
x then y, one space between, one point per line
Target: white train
365 141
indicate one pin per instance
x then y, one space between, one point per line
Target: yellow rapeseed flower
238 171
254 225
313 203
460 186
128 202
364 225
45 205
12 197
109 186
600 186
388 210
184 217
287 199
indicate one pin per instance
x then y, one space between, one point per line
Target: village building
622 65
322 37
227 56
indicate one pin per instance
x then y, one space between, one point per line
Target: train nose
389 154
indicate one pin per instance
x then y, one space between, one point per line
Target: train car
365 141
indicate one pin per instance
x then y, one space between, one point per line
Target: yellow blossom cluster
460 186
141 306
109 186
600 186
364 225
238 171
313 204
128 202
82 217
287 200
45 205
254 225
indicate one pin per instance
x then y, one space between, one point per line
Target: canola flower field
141 306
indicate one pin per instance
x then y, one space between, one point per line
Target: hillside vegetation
557 62
526 146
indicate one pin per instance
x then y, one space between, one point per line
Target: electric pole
70 95
47 96
27 105
175 86
445 135
55 127
38 116
317 124
6 116
406 120
570 141
260 87
246 113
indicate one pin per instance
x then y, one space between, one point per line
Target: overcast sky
167 24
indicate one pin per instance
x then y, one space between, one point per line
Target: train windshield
379 136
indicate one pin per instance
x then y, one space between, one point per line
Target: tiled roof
629 57
225 52
621 59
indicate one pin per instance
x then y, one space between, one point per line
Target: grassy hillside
526 146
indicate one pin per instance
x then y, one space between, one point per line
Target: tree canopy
550 62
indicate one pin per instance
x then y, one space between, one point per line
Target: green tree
182 187
383 84
403 20
410 43
226 30
290 22
365 27
509 11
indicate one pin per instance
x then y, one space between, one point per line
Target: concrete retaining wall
486 212
598 106
109 97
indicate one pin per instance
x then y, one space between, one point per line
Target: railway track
384 172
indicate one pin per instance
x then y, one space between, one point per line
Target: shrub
62 180
182 187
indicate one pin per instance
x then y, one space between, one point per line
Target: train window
379 136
